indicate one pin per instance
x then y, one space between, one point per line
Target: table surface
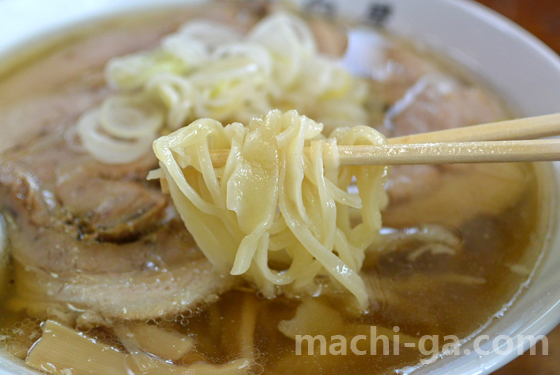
542 18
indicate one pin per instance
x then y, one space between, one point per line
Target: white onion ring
212 34
130 117
107 149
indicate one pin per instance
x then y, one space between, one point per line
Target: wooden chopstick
451 153
525 128
497 142
439 153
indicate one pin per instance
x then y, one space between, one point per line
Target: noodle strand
272 214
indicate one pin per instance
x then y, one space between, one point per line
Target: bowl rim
550 319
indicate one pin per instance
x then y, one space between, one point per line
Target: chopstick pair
499 142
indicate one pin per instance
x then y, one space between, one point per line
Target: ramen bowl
517 65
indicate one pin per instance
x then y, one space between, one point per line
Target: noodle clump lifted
274 213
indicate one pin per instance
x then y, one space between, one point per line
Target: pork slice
97 237
55 183
41 115
77 59
447 194
110 209
437 102
453 195
158 272
125 296
397 70
409 181
157 277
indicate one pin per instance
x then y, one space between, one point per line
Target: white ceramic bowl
514 62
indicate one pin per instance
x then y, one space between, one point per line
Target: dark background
542 18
